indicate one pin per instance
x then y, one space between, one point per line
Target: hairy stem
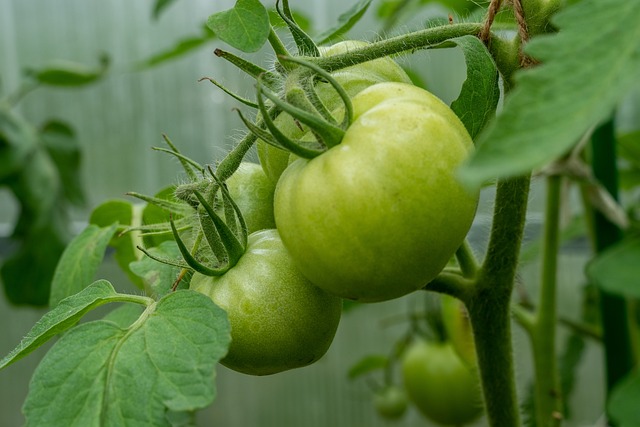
489 303
421 39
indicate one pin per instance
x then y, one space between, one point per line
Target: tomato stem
489 302
467 260
421 39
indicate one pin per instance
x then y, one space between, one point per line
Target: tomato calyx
301 101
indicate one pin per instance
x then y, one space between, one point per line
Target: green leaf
157 276
345 22
124 315
180 49
67 73
125 214
153 214
160 6
99 374
23 282
79 262
617 269
480 93
18 140
245 26
368 364
62 317
60 141
623 403
582 76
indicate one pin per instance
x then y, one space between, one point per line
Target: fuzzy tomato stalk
379 215
279 320
353 79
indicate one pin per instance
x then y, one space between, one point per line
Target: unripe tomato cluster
374 218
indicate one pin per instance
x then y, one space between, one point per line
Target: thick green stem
489 303
543 332
406 42
615 326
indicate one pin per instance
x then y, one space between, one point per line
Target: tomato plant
253 192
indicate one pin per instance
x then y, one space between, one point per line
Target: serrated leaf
623 403
617 269
245 26
125 245
582 76
61 318
345 22
157 276
368 364
79 262
476 105
99 374
68 73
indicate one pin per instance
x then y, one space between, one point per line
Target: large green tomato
380 215
443 388
353 79
279 320
252 191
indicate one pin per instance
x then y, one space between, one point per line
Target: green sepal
344 96
190 166
250 68
304 43
191 261
330 135
278 139
235 96
234 247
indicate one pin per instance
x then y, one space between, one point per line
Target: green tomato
443 388
458 327
353 79
380 215
252 191
391 402
279 320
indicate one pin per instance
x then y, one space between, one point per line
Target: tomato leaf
345 22
160 6
125 214
18 140
367 364
59 139
582 76
101 374
623 403
61 318
67 73
245 26
616 270
180 49
79 262
476 105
